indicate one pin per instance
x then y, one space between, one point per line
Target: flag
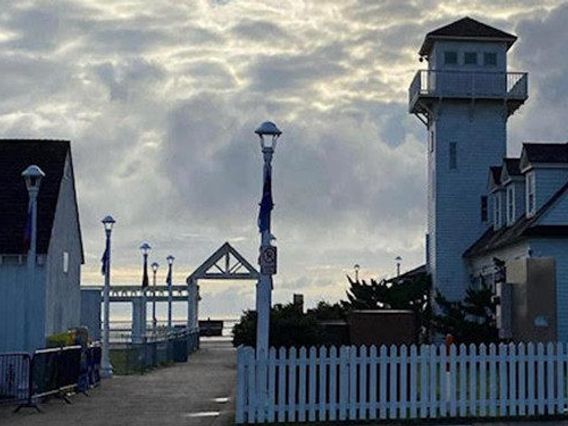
169 277
266 203
28 230
104 261
145 275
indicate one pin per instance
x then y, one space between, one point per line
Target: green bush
288 327
60 339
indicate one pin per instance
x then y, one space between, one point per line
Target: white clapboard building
490 215
39 283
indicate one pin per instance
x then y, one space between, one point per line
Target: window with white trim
531 193
497 210
510 204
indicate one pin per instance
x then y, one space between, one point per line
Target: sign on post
268 256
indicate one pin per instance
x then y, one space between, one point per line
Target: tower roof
465 29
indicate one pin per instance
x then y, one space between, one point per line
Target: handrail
470 84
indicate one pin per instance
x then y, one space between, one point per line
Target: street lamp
398 259
356 267
145 250
106 368
268 134
32 176
155 267
169 281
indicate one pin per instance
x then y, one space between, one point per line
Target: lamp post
32 177
169 281
155 267
106 368
356 267
398 259
268 134
145 250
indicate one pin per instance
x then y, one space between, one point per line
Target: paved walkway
192 393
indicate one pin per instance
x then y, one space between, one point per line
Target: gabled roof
494 177
466 29
535 153
510 169
511 166
522 228
15 156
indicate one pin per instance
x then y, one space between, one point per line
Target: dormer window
450 57
531 193
510 205
470 58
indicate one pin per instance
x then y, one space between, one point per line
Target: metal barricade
55 371
14 377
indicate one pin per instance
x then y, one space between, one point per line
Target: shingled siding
557 249
547 182
22 306
480 133
63 293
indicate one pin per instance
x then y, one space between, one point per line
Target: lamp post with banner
268 134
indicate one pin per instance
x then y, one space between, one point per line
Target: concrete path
199 392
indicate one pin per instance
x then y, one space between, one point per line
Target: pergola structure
226 263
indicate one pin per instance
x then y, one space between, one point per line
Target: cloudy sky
160 100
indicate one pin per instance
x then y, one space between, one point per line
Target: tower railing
468 84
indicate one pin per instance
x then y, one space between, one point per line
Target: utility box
533 301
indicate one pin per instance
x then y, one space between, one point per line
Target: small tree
288 327
471 320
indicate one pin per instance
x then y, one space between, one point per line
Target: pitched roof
409 275
545 152
522 228
15 156
466 29
511 165
494 176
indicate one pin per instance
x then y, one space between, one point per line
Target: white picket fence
360 383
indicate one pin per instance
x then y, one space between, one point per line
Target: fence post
241 386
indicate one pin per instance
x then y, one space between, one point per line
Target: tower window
453 155
450 57
510 205
490 59
65 262
531 194
431 141
484 215
470 58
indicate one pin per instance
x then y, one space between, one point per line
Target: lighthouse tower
464 98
